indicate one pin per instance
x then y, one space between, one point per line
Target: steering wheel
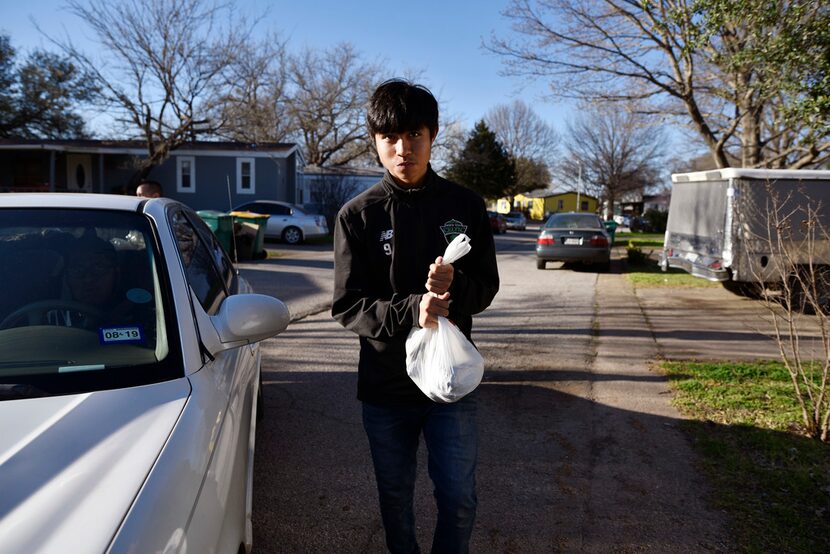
35 311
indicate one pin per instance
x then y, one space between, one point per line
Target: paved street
580 450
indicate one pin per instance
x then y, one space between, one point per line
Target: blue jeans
451 437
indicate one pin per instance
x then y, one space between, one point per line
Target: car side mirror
241 319
250 318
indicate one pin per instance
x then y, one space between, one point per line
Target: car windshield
573 221
82 305
515 215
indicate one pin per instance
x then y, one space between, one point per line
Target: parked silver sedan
573 237
516 220
129 378
288 222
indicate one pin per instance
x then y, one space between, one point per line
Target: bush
656 220
635 254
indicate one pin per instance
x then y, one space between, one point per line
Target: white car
287 222
129 378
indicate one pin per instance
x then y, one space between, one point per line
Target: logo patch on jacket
385 238
452 229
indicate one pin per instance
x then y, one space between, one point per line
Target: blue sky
441 39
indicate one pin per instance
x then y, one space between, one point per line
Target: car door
280 218
223 391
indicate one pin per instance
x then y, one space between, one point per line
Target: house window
185 174
560 205
583 206
245 176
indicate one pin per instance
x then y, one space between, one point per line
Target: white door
79 173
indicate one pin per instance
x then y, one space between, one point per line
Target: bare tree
529 140
448 144
254 104
329 94
159 65
330 191
522 132
736 72
615 151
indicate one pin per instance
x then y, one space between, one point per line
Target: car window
220 257
260 208
196 258
574 221
279 209
83 296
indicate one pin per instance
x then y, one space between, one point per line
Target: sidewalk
642 456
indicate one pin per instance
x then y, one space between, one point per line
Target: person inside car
91 278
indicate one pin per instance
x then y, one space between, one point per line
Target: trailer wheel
801 298
748 290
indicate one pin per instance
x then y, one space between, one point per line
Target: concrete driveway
580 446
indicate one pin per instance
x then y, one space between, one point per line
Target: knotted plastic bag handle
456 249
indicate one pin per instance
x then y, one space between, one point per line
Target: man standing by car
386 241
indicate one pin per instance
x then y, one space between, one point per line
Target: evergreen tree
37 97
483 165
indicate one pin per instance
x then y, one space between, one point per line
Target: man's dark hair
398 105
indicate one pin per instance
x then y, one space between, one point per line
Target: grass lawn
642 240
642 269
772 481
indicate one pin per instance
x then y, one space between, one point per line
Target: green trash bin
260 221
222 226
611 227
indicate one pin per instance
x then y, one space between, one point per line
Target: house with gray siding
320 182
202 174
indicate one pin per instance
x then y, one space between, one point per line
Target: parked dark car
574 237
497 223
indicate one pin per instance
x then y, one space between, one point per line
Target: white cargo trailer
724 225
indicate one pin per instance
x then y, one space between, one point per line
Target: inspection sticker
120 335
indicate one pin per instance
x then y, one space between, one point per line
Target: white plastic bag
440 360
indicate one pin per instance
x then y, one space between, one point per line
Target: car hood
70 466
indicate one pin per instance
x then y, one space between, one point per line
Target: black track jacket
384 241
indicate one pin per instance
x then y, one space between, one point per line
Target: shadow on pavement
557 473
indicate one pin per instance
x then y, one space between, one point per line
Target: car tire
292 235
541 264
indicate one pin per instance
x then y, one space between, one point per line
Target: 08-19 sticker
132 334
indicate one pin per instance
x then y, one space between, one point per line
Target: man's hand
440 276
432 306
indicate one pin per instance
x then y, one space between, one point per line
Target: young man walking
388 279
